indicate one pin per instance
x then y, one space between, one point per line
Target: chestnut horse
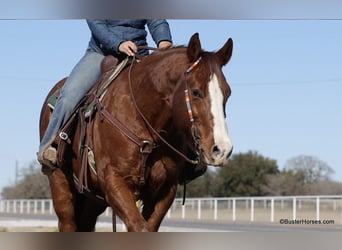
171 107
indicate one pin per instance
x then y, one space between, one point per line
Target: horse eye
196 93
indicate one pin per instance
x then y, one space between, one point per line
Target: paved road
249 227
173 225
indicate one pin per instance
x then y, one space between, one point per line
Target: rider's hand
128 47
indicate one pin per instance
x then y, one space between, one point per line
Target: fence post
199 209
234 209
272 210
28 206
2 206
317 208
341 209
50 207
252 209
43 206
7 206
35 207
294 212
15 206
215 209
123 227
168 215
183 212
21 206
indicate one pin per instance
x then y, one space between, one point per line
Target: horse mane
206 55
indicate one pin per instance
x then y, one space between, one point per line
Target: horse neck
154 92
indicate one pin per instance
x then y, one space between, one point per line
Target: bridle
194 129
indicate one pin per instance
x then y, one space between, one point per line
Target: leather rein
145 145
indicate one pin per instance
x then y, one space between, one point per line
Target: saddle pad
51 102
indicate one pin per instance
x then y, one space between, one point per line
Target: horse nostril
216 151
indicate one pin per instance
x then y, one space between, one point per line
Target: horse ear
194 48
225 53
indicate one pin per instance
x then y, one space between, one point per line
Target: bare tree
303 175
286 182
32 185
314 169
326 188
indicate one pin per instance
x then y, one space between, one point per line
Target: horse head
205 92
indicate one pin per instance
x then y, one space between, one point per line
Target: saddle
82 114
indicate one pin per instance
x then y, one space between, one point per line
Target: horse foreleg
154 212
62 198
122 200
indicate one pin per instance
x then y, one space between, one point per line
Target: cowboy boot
47 155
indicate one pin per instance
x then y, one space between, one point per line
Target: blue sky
285 75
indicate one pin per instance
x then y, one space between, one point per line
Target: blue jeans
81 79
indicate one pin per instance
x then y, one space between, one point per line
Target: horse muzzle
218 155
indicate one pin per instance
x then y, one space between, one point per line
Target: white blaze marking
221 137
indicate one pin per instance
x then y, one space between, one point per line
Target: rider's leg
81 79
